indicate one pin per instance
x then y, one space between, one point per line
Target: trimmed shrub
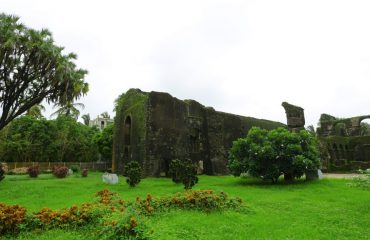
60 171
175 170
84 172
189 174
33 171
75 168
133 173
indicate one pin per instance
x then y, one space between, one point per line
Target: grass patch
327 209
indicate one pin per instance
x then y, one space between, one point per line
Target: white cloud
243 57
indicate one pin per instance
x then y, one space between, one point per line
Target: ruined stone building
155 128
343 144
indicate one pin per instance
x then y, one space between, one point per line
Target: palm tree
105 115
69 109
311 129
86 118
35 111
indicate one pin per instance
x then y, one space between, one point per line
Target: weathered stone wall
342 143
174 129
129 140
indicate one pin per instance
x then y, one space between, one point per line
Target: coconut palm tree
70 109
86 118
105 115
36 111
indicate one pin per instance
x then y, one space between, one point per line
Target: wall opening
365 127
127 131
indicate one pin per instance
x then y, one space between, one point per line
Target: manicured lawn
327 209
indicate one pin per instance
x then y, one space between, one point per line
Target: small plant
75 168
364 180
133 173
84 172
11 217
60 171
175 170
189 174
33 171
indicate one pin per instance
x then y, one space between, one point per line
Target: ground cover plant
327 209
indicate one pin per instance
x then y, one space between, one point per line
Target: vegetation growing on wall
132 103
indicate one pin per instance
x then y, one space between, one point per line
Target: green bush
364 180
189 174
75 168
270 154
175 170
133 173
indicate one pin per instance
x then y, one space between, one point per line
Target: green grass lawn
326 209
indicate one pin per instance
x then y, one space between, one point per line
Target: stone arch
365 126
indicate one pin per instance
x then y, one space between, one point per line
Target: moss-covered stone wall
342 146
130 105
164 128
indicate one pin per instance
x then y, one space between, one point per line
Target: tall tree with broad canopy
33 69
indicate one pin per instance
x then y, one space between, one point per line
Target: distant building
100 122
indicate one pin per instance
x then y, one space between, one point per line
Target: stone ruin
155 128
343 145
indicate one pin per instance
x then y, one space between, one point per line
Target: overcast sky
243 57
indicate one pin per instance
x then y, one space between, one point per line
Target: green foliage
183 172
188 174
33 69
28 139
104 141
123 226
133 173
175 170
33 171
365 129
75 168
268 154
362 181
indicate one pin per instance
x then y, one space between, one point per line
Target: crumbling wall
341 138
164 128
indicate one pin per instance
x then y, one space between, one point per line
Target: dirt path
341 175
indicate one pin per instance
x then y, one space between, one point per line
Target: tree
269 154
36 111
68 109
105 115
86 118
33 69
104 141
